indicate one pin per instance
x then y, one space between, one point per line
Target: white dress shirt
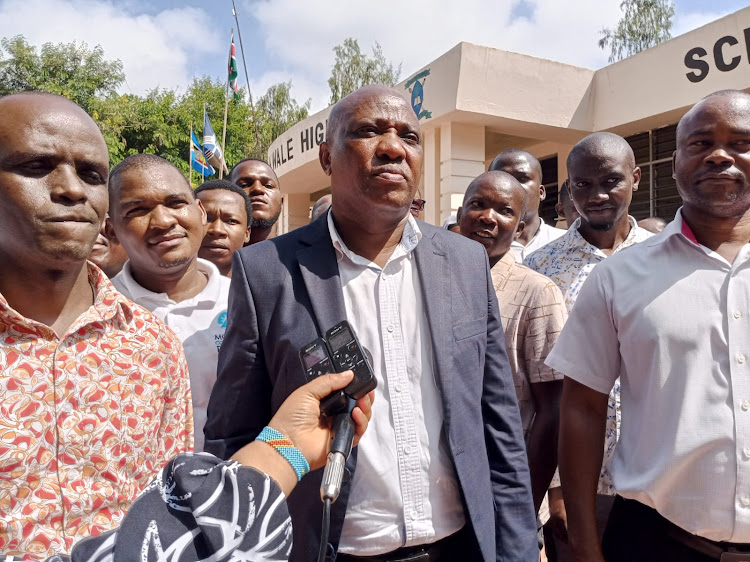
199 322
543 236
405 490
672 319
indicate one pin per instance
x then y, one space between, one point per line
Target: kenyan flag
233 71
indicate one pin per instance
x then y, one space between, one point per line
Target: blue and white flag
197 161
211 148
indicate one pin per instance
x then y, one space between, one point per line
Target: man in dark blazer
447 440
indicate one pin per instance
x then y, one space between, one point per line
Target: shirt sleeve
177 431
545 318
588 349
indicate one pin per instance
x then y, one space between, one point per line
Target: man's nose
488 216
719 157
390 146
257 188
162 217
66 186
217 229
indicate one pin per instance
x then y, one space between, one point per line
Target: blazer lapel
435 276
320 272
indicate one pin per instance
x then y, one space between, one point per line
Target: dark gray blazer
286 291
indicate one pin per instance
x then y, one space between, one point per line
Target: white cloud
301 34
156 50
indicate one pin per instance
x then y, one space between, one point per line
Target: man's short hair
602 142
517 152
230 175
228 186
138 162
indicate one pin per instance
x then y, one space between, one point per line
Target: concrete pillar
296 211
431 176
462 155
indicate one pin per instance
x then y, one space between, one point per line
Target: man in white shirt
603 176
155 215
442 474
670 317
527 170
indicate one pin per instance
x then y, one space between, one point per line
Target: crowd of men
141 318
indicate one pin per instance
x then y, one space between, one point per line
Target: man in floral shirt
603 176
94 392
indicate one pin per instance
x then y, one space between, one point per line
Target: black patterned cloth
198 509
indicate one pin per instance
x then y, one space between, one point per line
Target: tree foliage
70 69
157 123
645 23
353 69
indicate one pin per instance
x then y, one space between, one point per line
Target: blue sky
163 43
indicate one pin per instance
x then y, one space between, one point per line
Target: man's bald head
54 166
140 163
500 181
603 176
738 95
346 105
373 155
601 144
525 167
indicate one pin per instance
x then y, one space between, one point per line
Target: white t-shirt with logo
199 322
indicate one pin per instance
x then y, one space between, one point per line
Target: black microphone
343 436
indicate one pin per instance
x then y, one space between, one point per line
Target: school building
474 102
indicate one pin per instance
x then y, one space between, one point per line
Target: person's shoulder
450 239
536 258
279 252
138 320
537 285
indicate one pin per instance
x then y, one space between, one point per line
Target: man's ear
459 212
324 155
636 178
246 239
519 229
542 193
109 230
204 216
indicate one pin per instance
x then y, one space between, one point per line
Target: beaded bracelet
284 446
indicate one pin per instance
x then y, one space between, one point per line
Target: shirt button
67 407
740 359
414 513
407 450
746 451
390 328
745 500
745 405
399 388
737 314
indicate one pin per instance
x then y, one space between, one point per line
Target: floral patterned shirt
86 419
568 261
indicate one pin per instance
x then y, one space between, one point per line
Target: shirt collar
573 238
503 268
210 293
678 227
108 304
409 240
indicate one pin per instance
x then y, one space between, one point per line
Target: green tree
70 69
276 111
645 23
157 123
353 69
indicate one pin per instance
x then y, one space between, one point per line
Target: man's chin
602 226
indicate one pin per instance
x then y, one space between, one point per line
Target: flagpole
190 156
203 168
247 77
224 128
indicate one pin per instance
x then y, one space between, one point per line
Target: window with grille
657 194
549 180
